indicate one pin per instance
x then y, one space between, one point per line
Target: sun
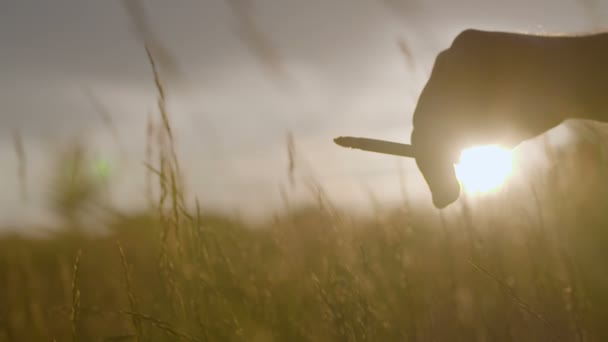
484 169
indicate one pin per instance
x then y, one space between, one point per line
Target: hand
491 88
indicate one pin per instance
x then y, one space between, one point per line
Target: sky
339 71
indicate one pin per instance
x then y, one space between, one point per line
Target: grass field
314 274
175 272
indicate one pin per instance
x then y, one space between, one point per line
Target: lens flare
484 169
102 169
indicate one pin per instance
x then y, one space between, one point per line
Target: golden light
483 169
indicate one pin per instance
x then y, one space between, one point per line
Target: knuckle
466 38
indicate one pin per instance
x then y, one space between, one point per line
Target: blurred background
168 173
241 75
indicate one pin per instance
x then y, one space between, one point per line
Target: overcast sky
341 73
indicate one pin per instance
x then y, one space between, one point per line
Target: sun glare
483 169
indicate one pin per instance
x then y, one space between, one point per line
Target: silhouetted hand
503 88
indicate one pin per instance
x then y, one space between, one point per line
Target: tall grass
494 272
312 275
320 273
